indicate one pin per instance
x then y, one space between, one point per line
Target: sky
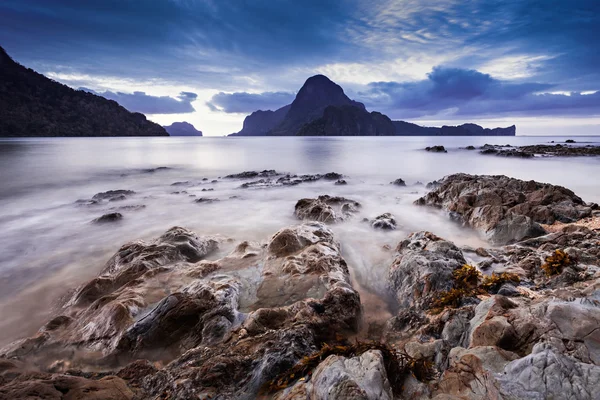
533 63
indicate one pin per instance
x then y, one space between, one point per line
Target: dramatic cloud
246 103
457 92
147 104
526 46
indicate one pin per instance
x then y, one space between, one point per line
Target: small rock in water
470 148
384 221
398 182
570 141
113 195
436 149
205 200
341 182
111 217
332 176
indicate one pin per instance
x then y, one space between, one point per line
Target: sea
49 244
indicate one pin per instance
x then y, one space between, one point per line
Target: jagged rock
505 209
332 176
326 209
436 149
422 268
398 182
253 174
341 182
546 373
362 377
113 195
111 217
384 221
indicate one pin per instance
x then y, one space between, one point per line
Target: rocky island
166 319
321 108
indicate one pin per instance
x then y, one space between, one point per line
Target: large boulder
423 268
326 209
505 209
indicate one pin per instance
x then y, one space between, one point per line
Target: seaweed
466 276
397 365
556 263
493 282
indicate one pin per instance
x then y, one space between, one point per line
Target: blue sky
210 62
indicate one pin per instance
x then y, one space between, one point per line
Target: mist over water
49 245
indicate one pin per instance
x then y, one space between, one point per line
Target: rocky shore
284 319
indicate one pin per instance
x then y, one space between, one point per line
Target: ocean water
49 245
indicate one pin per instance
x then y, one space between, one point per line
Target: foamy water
49 245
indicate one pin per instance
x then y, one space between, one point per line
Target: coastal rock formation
259 123
182 129
317 93
326 209
384 221
404 128
349 121
505 209
436 149
544 150
33 105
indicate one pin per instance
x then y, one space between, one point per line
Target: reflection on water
50 246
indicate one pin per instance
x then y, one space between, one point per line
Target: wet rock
132 207
422 268
332 176
326 209
384 221
546 373
111 217
470 148
113 195
505 209
341 182
398 182
253 174
436 149
205 200
362 377
570 141
208 190
183 183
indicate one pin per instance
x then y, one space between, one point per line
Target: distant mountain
349 121
321 108
317 93
33 105
182 129
408 129
260 122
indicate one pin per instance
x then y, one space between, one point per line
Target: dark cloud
458 92
147 104
242 102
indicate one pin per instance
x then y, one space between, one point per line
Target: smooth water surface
49 245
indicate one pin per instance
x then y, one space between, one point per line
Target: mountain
408 129
317 93
349 121
321 108
182 129
33 105
260 122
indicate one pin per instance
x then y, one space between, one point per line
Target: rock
436 149
341 182
570 141
505 209
546 373
253 174
470 147
326 209
422 268
337 377
384 221
398 182
113 195
111 217
557 150
205 200
332 176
